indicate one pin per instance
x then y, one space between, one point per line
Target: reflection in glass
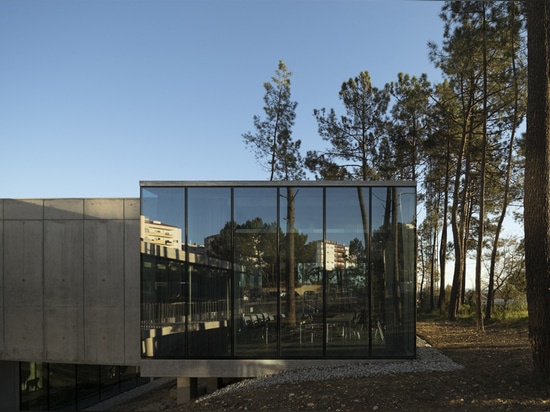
393 271
346 249
278 271
73 387
163 310
87 386
62 386
34 386
165 206
208 273
109 378
302 330
255 256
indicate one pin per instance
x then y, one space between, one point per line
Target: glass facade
70 387
278 270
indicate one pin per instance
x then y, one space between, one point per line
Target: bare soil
496 376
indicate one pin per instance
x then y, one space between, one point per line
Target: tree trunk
443 247
432 268
509 167
456 225
481 227
537 187
291 253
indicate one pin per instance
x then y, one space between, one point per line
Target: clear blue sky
96 95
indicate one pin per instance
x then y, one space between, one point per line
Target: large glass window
393 271
301 257
61 386
163 275
209 272
88 390
255 256
347 248
278 271
34 386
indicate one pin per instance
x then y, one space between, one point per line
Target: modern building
201 280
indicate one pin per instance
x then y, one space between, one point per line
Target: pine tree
537 187
272 142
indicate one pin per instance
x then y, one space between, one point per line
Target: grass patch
511 317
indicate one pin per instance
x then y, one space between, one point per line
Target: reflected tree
360 150
280 155
255 247
253 244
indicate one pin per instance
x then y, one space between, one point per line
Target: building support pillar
212 384
186 389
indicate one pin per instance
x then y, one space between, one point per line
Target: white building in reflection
336 254
158 233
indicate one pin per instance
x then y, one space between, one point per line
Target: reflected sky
210 209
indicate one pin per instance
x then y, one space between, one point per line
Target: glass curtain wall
70 387
209 273
347 248
393 271
270 271
255 255
164 283
301 281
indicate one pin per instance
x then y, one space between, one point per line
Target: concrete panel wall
23 264
104 335
103 263
23 209
23 333
107 209
64 209
63 334
69 280
132 284
63 263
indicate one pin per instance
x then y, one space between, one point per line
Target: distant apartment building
333 254
157 233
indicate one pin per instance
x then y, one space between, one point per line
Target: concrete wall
69 280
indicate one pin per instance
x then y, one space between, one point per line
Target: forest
463 141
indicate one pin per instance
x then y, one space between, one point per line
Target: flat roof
278 183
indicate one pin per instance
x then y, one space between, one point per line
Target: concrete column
212 385
186 389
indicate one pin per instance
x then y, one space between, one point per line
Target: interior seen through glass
278 272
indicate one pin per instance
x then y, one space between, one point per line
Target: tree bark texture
537 187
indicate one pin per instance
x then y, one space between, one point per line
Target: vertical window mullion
278 277
186 269
232 283
369 272
324 282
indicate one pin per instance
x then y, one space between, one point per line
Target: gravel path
428 359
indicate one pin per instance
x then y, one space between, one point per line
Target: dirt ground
496 376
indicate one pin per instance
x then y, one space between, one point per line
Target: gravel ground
428 359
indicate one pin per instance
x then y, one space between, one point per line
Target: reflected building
290 271
332 255
155 232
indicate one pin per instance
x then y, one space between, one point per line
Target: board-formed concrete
69 280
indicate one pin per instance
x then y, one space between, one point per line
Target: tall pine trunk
291 260
537 187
